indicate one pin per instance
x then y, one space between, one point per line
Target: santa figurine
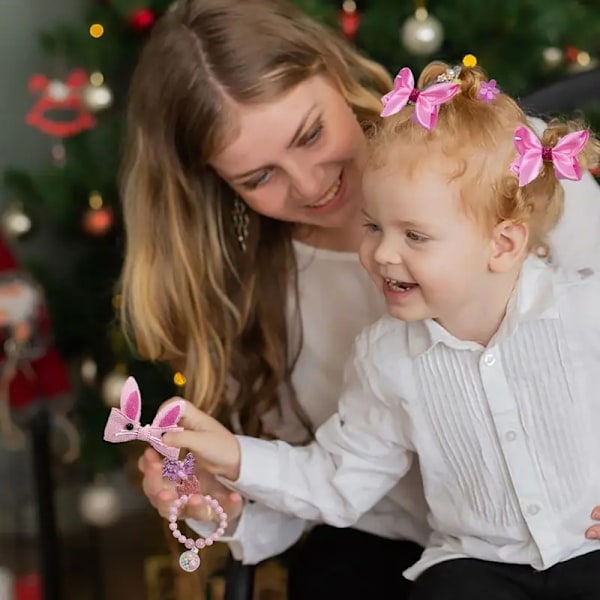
31 370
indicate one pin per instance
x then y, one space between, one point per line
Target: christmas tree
79 108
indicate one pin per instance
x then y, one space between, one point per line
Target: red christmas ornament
349 19
63 96
98 221
141 20
28 587
571 54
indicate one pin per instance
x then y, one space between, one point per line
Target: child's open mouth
399 286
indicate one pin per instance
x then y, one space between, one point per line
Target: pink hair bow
124 425
532 155
427 102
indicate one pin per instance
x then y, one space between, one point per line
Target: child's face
426 255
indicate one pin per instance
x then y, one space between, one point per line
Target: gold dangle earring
240 222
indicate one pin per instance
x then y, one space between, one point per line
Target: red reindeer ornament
61 98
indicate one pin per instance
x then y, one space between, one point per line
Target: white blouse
337 300
505 435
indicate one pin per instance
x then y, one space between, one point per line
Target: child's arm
358 456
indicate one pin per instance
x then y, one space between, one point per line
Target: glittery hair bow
124 425
427 102
532 155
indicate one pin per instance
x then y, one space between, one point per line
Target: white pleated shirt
506 436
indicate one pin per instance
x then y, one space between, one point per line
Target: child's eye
415 237
261 180
371 227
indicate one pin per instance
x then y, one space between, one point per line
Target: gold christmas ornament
422 34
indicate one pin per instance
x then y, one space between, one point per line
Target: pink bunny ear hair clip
124 425
427 102
532 155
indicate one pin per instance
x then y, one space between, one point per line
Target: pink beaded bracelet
183 471
189 559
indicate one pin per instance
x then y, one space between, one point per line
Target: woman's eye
371 227
313 135
254 183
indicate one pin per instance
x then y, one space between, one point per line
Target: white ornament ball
553 57
58 90
15 222
96 97
89 370
100 505
422 34
111 388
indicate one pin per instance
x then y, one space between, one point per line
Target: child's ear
509 246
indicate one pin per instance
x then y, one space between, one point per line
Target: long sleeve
261 532
358 456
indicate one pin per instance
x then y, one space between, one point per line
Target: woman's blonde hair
191 296
478 139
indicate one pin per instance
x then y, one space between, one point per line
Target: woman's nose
308 182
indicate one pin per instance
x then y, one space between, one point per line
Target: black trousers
350 564
470 579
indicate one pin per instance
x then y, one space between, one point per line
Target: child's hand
161 492
216 449
593 533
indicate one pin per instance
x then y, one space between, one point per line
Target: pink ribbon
427 102
532 155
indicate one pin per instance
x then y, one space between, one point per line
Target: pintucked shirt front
506 436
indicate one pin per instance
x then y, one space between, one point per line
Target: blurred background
73 522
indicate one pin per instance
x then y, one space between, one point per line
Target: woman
242 209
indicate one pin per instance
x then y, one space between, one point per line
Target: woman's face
299 158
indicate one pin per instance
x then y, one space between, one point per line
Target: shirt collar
532 299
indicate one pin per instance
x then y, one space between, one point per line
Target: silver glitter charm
189 560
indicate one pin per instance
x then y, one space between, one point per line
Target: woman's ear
509 246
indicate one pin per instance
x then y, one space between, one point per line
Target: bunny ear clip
124 425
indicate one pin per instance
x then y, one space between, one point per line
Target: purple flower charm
179 469
488 91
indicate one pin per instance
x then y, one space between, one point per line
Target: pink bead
220 531
208 499
182 538
177 503
183 499
200 543
224 517
208 541
189 544
174 510
172 526
176 533
218 510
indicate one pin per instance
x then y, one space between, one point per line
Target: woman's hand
215 448
161 492
593 532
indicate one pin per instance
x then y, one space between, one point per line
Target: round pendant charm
189 561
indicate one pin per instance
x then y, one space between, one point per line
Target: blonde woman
242 192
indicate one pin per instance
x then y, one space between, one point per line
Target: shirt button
533 509
489 359
510 436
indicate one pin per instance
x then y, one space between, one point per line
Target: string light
96 30
469 60
179 379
